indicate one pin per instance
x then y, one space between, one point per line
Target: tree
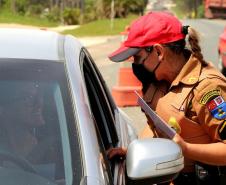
122 7
13 6
59 10
100 8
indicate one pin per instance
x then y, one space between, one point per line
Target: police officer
185 90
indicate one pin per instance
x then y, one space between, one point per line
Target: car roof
30 44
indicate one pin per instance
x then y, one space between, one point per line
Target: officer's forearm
213 153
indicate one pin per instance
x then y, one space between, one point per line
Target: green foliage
188 8
71 16
102 27
53 14
183 8
9 17
136 6
90 13
70 11
35 10
121 7
5 4
21 6
201 11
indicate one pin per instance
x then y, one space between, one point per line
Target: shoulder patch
209 96
217 107
222 130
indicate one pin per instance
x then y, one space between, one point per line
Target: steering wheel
22 163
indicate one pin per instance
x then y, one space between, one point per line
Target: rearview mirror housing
153 160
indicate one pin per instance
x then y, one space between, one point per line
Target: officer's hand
179 140
116 153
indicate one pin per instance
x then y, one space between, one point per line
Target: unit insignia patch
217 107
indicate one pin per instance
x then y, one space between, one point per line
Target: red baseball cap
152 28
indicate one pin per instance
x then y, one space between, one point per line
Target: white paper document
157 121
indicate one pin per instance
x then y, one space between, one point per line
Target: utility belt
207 174
203 175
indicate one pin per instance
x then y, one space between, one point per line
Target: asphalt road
209 33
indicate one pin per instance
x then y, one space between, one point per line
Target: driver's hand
117 153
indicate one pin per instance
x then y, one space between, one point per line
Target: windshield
35 113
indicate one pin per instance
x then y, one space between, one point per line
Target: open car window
101 104
103 109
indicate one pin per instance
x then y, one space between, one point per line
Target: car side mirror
153 160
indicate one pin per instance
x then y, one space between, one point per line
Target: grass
178 12
95 28
8 17
102 27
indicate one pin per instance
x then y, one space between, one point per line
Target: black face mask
146 77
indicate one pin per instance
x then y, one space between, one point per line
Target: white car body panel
28 44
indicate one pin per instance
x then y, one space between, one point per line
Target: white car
58 119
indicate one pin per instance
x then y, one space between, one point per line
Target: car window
102 109
36 124
101 104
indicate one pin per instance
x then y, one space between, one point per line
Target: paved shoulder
91 41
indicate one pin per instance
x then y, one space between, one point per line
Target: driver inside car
21 115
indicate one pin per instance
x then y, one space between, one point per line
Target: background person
187 90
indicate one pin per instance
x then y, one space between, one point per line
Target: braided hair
179 46
193 40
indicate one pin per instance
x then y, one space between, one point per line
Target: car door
106 115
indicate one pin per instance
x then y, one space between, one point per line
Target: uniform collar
189 75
